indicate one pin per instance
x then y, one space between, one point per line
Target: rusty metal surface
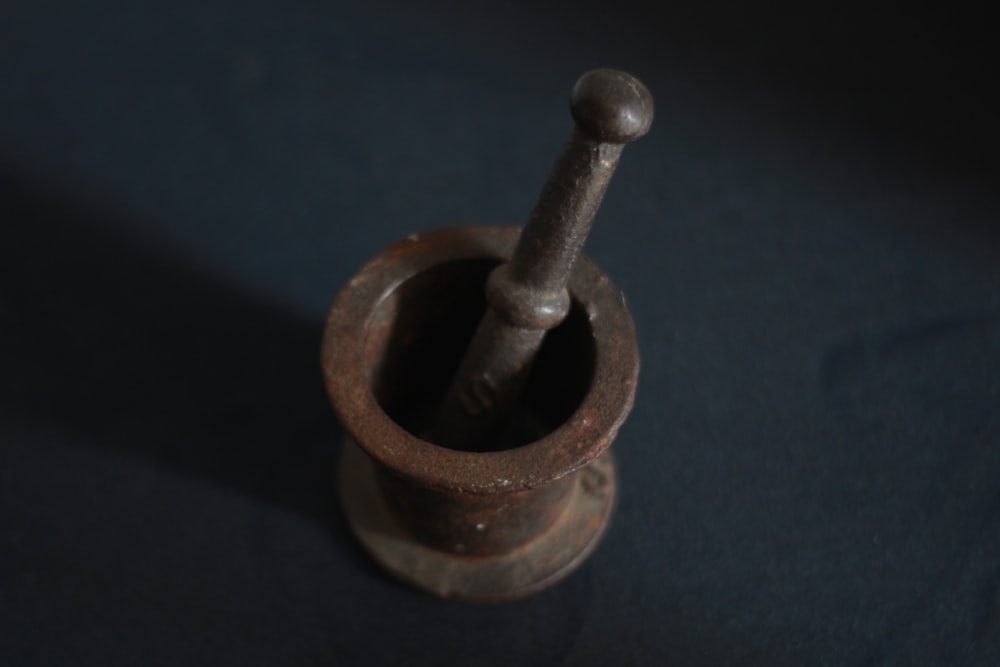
383 374
527 296
505 575
520 504
357 340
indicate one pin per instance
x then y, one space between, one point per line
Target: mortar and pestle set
481 374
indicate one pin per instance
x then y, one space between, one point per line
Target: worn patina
481 374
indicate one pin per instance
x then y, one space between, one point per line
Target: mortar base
518 573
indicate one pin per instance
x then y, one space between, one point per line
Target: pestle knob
527 295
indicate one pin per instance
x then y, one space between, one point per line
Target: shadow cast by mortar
113 337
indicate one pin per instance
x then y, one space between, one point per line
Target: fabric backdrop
808 241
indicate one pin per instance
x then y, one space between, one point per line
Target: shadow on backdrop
111 336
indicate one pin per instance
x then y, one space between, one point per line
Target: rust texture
527 296
493 493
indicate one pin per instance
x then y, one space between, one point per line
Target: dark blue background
808 240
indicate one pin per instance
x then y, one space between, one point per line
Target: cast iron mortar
481 374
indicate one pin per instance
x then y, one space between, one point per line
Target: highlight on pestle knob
612 106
